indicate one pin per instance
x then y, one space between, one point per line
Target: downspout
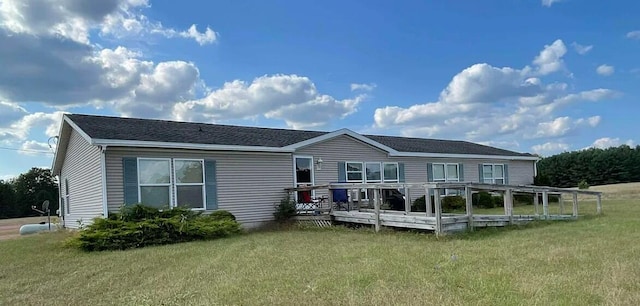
103 170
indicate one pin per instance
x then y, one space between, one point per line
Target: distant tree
33 188
595 166
8 207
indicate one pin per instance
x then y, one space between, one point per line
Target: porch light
319 162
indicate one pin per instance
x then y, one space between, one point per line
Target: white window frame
397 180
170 184
295 175
446 172
362 172
493 174
174 180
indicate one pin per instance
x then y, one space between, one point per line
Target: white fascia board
179 145
78 129
470 156
337 133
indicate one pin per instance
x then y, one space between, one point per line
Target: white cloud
32 147
580 49
363 87
548 3
562 125
294 99
634 34
74 20
483 103
605 70
49 121
607 142
550 148
550 58
7 177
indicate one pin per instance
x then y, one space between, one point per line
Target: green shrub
583 185
139 226
451 203
498 200
285 209
222 215
523 199
420 205
483 199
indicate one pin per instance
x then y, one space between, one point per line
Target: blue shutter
211 184
342 172
461 172
130 178
400 172
429 172
480 173
506 174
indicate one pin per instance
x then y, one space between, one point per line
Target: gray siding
345 148
82 169
249 184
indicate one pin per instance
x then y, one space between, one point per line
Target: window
189 177
445 172
354 172
67 208
154 181
493 173
390 173
373 173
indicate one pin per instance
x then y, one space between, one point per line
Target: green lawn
586 262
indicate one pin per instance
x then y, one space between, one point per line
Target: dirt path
10 228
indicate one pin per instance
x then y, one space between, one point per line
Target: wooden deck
440 222
450 222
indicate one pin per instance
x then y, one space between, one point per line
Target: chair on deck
340 198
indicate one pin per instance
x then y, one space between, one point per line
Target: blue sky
531 76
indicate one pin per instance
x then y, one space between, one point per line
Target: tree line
28 189
594 166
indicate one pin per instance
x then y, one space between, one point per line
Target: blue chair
340 198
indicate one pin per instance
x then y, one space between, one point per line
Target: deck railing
374 200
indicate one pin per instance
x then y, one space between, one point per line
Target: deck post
468 194
436 200
407 200
330 199
575 204
427 202
536 203
508 204
561 203
376 204
545 204
599 204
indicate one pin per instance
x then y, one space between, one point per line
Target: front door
303 167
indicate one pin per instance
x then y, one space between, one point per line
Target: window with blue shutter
211 184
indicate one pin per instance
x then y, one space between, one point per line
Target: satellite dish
45 205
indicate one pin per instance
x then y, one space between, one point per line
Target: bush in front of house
285 209
452 203
139 226
523 199
483 199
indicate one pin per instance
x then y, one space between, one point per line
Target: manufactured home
103 163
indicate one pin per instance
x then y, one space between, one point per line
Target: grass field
593 261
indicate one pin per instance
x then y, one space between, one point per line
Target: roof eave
193 146
337 133
469 156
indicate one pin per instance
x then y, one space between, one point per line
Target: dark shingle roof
116 128
422 145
